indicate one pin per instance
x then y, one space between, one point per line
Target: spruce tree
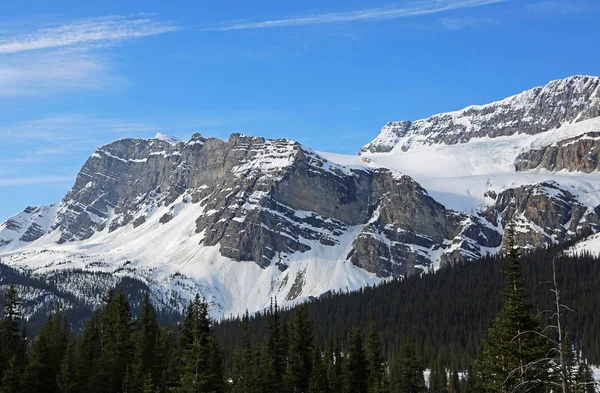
318 378
334 364
117 345
299 352
355 364
201 366
11 333
275 365
376 366
511 353
245 374
66 378
146 341
11 379
409 376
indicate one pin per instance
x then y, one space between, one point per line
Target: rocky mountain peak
533 111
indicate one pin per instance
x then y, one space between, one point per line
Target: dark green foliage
318 378
200 358
300 354
512 353
450 311
355 365
376 366
11 380
12 337
334 363
407 372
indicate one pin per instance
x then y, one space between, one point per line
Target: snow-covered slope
248 219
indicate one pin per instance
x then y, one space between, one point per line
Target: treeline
447 313
521 350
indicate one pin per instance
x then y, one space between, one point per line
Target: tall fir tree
408 372
355 364
318 377
117 344
65 379
12 335
512 352
245 373
376 367
275 365
300 354
11 379
200 362
334 363
146 344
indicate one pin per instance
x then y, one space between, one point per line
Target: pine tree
355 364
117 345
11 382
245 373
318 378
11 332
409 377
201 367
66 378
375 364
334 364
438 379
514 346
454 386
89 375
146 340
275 365
299 352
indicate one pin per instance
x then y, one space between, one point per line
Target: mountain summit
248 219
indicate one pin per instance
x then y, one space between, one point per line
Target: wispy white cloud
29 180
91 31
68 56
366 15
55 72
461 23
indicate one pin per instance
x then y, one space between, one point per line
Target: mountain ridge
248 219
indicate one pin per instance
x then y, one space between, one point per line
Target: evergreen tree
299 352
454 386
11 382
117 345
409 371
511 354
66 378
89 374
438 379
146 340
472 383
375 363
275 365
245 373
11 333
200 362
334 364
355 364
318 378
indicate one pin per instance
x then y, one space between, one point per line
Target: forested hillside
447 313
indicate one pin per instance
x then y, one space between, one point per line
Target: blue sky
75 75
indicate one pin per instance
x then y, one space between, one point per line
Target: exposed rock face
264 201
578 154
543 213
533 111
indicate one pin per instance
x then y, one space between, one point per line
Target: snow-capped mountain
249 219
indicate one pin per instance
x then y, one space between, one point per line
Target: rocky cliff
533 111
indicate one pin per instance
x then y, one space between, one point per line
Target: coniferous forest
509 324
